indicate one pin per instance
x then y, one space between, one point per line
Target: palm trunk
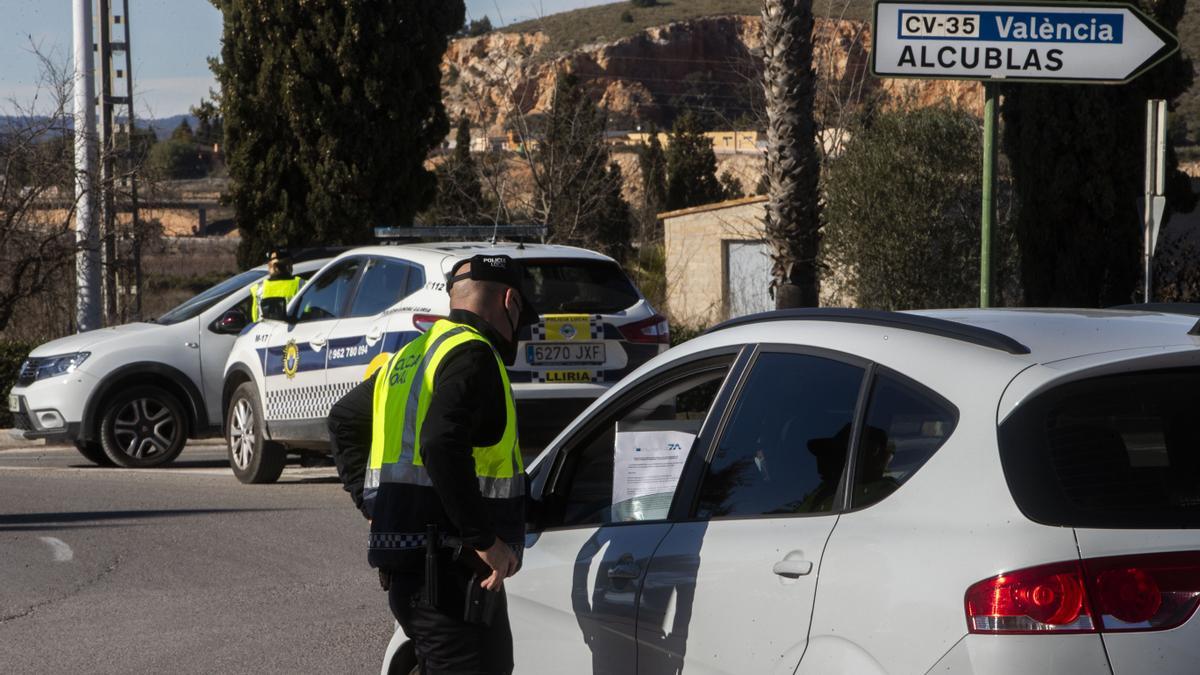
793 170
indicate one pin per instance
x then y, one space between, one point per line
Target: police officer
280 284
427 448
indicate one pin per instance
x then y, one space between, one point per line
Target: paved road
181 570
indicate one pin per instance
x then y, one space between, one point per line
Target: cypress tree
1077 168
691 166
329 114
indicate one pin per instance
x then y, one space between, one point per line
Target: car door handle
624 569
192 345
792 569
317 342
374 335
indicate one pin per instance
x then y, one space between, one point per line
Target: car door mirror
232 322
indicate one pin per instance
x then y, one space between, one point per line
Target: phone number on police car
566 354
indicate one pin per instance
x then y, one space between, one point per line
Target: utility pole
87 262
111 102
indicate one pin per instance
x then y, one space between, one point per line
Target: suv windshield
591 286
199 303
1109 452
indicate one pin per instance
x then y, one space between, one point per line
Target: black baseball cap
502 270
279 254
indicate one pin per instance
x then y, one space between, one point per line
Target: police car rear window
589 286
1120 451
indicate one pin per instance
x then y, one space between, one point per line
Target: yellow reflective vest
403 392
272 288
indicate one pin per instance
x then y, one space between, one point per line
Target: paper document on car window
647 463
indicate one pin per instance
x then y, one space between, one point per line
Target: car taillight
654 330
423 322
1154 591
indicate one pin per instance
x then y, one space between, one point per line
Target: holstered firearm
480 604
432 544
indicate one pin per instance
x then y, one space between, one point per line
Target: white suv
843 491
283 376
133 394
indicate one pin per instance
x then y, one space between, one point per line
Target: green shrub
12 353
902 213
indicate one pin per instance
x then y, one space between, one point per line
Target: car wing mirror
232 322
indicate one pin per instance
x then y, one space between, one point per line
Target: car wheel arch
148 373
237 375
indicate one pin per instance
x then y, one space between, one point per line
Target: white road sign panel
1090 42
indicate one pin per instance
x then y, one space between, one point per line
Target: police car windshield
591 286
199 303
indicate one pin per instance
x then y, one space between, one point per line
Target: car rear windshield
591 286
1119 451
198 304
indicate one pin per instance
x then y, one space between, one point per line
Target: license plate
566 354
14 403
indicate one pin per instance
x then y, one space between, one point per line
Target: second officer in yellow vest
428 449
269 297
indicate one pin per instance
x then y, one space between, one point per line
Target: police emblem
567 331
291 359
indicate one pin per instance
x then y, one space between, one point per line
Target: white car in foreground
283 376
133 394
844 491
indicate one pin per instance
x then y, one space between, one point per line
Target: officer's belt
402 541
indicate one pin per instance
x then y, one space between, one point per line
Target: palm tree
793 170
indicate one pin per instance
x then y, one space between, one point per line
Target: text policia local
1027 28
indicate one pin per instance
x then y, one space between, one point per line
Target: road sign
1034 41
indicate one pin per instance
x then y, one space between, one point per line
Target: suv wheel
143 427
93 452
252 458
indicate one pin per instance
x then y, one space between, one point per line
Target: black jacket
466 411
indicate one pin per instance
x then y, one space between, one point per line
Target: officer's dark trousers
445 644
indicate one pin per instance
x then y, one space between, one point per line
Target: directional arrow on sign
1045 42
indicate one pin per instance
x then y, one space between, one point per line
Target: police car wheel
93 452
143 427
252 458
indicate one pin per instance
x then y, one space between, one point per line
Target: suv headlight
40 368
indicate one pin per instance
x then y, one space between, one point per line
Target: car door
600 512
360 336
294 369
731 587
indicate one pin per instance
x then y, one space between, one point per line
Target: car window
785 445
325 297
1119 451
200 303
243 305
903 427
384 282
416 280
591 286
626 466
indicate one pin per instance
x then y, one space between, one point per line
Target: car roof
1036 336
1057 334
437 253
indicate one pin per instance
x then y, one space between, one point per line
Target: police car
131 395
283 376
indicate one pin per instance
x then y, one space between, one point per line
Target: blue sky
171 41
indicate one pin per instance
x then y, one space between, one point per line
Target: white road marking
62 552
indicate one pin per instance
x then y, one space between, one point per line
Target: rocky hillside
709 63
